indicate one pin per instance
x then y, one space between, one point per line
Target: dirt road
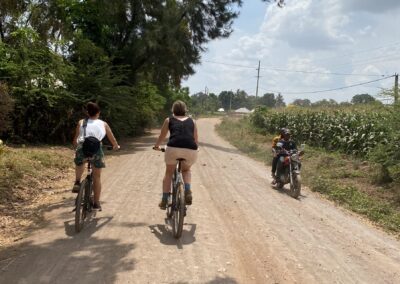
239 230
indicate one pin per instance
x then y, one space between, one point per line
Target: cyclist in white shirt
98 129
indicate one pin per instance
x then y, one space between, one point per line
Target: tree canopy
127 55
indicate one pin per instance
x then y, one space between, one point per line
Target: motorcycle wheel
295 188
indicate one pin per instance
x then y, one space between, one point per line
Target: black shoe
188 197
97 206
163 204
77 187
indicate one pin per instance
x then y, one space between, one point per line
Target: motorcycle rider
283 146
275 153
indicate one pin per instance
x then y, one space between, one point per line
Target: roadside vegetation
351 180
30 179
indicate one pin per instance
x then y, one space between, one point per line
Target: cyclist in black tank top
181 133
182 143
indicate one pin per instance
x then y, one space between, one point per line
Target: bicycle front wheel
179 212
80 210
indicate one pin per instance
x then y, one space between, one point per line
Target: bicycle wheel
179 211
80 210
89 198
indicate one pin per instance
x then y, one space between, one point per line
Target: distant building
242 110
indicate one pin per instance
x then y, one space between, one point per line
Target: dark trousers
274 164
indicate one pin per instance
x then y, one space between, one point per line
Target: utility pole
396 88
230 102
258 77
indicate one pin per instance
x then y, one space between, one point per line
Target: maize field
352 132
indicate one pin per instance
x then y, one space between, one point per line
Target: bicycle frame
83 204
88 191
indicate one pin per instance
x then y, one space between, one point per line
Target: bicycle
176 206
85 198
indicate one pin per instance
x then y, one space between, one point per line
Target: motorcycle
288 170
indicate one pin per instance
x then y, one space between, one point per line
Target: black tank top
181 133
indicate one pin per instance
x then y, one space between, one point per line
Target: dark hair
92 109
179 108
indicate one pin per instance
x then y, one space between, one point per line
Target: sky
300 45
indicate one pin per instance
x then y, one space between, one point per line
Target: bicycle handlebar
162 149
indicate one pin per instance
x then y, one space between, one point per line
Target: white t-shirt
95 128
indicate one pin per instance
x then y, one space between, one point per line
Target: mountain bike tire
179 212
80 210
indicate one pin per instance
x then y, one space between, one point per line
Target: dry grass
30 179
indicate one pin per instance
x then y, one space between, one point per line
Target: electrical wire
294 71
329 90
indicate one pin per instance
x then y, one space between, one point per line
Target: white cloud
341 36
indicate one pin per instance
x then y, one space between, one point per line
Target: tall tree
280 102
362 99
268 100
302 102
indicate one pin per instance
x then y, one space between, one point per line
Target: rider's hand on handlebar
116 147
157 148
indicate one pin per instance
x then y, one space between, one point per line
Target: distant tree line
357 99
229 100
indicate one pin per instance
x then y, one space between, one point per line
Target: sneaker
163 204
76 188
97 206
188 197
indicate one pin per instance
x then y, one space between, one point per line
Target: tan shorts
173 153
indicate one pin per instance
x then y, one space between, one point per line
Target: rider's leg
78 176
187 178
186 173
169 171
79 172
274 164
97 184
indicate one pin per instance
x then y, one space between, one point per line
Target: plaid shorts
98 158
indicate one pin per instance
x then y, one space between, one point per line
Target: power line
329 90
357 52
323 73
366 60
229 64
294 71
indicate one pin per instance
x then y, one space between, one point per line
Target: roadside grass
346 180
29 178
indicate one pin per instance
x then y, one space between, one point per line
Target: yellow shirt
275 141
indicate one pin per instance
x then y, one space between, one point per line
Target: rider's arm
195 134
111 137
75 141
163 134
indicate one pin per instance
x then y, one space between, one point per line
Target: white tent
221 109
242 110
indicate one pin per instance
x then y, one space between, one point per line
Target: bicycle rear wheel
80 208
179 211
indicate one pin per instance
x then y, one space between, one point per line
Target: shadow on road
75 258
164 234
216 280
286 191
220 148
